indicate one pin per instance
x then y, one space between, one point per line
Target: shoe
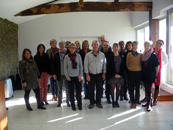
129 101
145 105
52 97
56 98
29 108
68 104
144 100
136 106
46 103
117 105
113 105
80 108
73 108
99 105
109 101
41 107
42 104
155 102
91 106
59 105
132 105
125 97
139 103
121 98
148 108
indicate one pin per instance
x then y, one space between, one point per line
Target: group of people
119 67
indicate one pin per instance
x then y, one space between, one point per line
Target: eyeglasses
160 44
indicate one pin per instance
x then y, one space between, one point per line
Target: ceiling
8 8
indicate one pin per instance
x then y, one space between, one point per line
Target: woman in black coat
115 73
42 60
150 67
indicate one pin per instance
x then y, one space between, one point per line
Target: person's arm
66 66
157 69
164 59
80 66
127 61
21 73
86 64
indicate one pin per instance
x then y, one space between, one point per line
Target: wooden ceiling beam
87 6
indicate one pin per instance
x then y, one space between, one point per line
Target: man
95 69
59 73
105 49
51 53
102 39
123 91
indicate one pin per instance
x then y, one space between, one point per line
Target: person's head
115 47
53 43
85 45
95 45
77 45
62 45
122 45
72 48
134 45
67 44
26 54
147 45
129 45
105 46
102 38
159 44
40 49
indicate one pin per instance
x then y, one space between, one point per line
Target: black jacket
149 73
111 66
82 54
42 63
57 65
107 53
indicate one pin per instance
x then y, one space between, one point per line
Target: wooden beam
116 0
87 6
81 1
153 25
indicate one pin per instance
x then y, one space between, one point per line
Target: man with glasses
107 52
95 69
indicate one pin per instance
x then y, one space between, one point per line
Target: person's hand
68 79
88 77
117 76
39 80
55 78
103 76
24 84
79 77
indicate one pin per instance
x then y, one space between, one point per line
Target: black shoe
109 101
99 105
41 107
80 108
148 109
116 104
139 103
121 98
6 108
59 105
145 105
29 108
46 103
125 97
73 108
91 106
113 105
68 104
42 104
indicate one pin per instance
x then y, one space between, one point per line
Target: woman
51 53
42 61
163 59
133 63
73 70
150 67
77 46
115 73
30 77
83 52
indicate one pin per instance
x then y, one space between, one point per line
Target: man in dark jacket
107 51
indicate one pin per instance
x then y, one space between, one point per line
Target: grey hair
135 42
106 41
72 44
148 42
95 41
62 42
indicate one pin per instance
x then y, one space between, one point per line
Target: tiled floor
107 118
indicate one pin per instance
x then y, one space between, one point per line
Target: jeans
53 85
86 87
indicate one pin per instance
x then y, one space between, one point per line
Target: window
170 72
142 36
162 32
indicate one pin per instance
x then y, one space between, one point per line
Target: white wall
115 26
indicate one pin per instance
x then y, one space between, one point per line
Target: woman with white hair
150 67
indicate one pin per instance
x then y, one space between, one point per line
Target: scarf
147 54
72 58
25 65
62 54
54 51
135 53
